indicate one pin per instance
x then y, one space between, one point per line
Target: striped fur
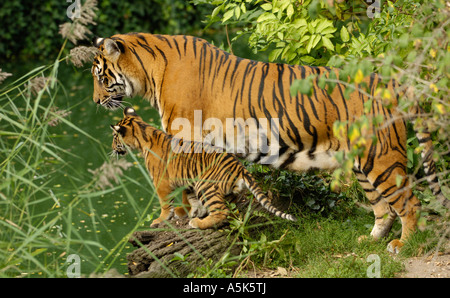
181 74
209 174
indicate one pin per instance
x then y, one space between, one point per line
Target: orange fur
206 173
181 74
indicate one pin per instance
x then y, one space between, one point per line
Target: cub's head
114 73
124 132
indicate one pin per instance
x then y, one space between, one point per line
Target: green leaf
327 43
216 11
398 180
323 24
328 30
227 15
299 23
275 54
237 12
266 16
308 59
267 6
313 41
344 34
290 10
302 86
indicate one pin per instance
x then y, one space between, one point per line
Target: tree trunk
173 249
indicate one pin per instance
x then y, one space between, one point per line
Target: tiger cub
207 173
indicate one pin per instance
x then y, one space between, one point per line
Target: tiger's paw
394 246
364 238
193 223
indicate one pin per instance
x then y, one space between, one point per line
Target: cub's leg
191 205
163 190
384 214
218 212
186 206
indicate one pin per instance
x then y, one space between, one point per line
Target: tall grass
43 192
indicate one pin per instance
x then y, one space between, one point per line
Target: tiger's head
113 71
124 132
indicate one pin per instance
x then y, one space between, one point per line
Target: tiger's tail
429 165
263 199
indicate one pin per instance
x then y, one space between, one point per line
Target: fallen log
173 249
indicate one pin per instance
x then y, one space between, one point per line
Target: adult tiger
180 75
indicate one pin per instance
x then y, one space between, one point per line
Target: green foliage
31 27
406 41
50 206
311 193
298 32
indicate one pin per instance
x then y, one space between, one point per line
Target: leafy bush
406 40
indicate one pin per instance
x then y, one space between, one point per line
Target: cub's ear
129 112
115 127
97 41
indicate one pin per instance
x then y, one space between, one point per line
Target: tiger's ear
129 112
112 49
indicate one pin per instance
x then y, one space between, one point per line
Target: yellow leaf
433 53
440 108
359 76
386 94
434 87
417 42
418 149
170 244
353 135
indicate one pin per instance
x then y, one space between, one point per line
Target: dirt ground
431 267
417 267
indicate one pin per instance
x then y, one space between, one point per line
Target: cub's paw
394 246
156 222
180 212
198 211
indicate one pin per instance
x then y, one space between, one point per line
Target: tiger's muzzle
112 102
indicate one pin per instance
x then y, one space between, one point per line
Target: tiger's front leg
163 191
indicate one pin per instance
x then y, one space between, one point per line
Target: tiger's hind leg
400 198
384 214
192 206
213 200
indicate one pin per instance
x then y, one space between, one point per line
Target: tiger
223 86
207 173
